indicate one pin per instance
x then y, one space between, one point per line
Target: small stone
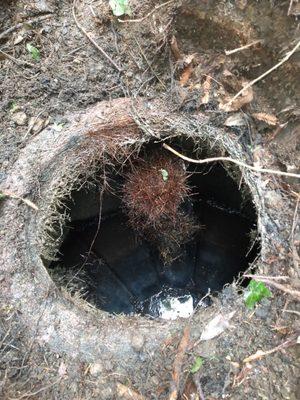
273 199
207 349
19 118
96 369
137 342
155 381
263 310
62 370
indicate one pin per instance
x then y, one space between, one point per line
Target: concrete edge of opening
49 168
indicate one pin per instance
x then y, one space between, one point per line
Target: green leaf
120 7
13 106
2 196
165 174
58 127
255 292
34 52
197 364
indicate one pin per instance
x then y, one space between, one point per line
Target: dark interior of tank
123 272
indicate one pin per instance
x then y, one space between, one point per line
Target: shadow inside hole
121 273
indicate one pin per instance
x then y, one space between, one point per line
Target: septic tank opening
158 237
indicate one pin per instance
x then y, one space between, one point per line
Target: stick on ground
229 52
81 28
259 354
232 160
14 196
147 15
183 345
20 25
287 56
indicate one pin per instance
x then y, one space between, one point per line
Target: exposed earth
71 71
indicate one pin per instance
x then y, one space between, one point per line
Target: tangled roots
155 194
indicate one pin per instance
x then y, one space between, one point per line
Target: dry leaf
244 98
19 38
206 90
127 393
216 326
267 118
62 370
185 76
189 58
236 119
188 69
259 354
174 48
190 390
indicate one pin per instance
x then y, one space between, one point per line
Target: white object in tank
176 307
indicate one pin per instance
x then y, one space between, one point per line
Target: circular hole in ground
161 271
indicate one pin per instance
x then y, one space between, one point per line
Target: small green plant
165 174
197 365
34 52
58 127
13 106
2 196
255 292
120 7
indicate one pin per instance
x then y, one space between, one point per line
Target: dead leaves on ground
211 76
187 70
124 392
267 118
206 89
216 326
231 86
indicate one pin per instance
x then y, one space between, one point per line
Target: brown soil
54 93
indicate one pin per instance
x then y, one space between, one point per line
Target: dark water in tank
125 274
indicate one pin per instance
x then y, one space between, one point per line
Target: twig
183 345
287 56
26 201
32 124
292 312
196 380
259 354
18 61
81 28
18 26
290 7
147 15
295 219
31 394
229 159
148 63
296 258
229 52
292 292
275 278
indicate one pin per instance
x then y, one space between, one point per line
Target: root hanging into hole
156 198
